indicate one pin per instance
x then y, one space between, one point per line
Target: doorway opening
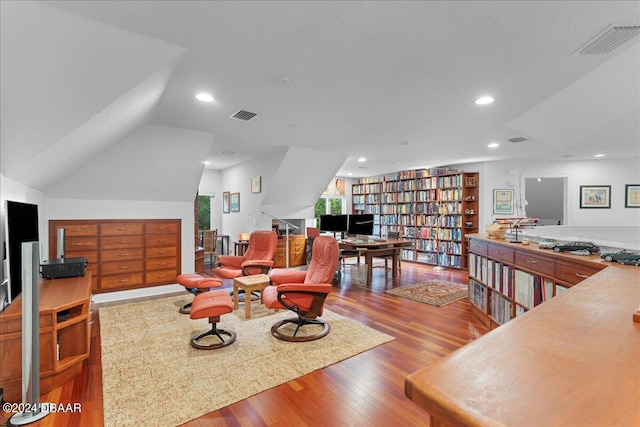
546 199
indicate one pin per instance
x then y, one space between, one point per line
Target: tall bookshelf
434 207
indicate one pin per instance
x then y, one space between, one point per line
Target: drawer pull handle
122 229
162 263
162 228
532 261
77 244
161 276
122 254
162 252
582 276
162 240
123 281
124 267
77 230
123 242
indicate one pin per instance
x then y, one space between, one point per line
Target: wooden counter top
572 361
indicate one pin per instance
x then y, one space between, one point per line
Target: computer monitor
333 223
361 224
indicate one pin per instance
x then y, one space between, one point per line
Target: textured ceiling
363 77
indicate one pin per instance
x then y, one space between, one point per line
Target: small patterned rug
434 292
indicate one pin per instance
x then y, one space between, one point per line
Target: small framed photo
235 202
225 202
595 196
632 196
256 184
503 201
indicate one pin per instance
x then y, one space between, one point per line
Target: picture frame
595 196
503 201
632 196
256 184
225 201
234 202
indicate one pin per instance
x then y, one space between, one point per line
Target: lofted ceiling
394 82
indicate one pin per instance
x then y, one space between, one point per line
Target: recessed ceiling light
204 97
599 155
206 162
362 159
484 100
493 145
349 174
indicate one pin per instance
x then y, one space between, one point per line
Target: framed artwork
225 202
503 201
235 202
632 196
256 184
595 196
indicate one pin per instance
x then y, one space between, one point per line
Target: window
330 205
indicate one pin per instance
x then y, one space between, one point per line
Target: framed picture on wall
503 201
595 196
225 202
632 196
256 184
235 202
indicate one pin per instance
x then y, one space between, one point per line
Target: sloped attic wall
71 88
156 163
300 179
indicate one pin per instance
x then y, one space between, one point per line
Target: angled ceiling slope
301 178
156 163
71 87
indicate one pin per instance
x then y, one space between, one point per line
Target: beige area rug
151 376
434 292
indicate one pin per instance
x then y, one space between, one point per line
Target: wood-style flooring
365 390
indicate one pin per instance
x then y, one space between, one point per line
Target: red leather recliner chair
304 292
257 259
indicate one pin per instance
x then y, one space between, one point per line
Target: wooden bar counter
571 361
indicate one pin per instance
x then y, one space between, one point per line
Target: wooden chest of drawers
123 254
297 251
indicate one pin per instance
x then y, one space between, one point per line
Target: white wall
614 172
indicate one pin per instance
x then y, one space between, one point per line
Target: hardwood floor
365 390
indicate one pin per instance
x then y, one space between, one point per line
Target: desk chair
389 258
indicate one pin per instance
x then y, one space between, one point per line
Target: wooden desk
64 335
572 361
372 250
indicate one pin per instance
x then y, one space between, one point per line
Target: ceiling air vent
243 115
517 139
609 39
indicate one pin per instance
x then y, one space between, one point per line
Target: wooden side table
257 282
239 248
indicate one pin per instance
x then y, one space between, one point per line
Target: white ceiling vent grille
517 139
243 115
609 40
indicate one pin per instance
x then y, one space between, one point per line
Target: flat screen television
21 226
334 223
361 224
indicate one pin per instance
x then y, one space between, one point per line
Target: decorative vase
496 231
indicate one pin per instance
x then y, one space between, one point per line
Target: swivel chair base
300 322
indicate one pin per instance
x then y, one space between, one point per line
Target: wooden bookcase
123 254
507 280
436 208
65 334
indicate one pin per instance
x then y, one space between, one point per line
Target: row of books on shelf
445 247
366 188
412 174
362 199
494 304
394 186
528 290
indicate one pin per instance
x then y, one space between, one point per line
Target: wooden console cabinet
506 280
297 251
123 254
64 335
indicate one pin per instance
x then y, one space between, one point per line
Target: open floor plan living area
320 213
